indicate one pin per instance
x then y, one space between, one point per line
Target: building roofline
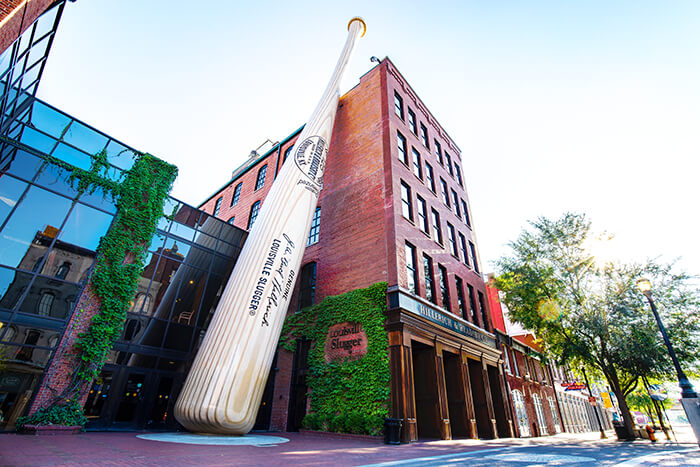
435 120
242 169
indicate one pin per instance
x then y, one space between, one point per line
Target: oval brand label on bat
310 157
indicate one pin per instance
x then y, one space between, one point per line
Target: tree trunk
614 383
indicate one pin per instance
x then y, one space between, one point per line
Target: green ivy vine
351 396
121 257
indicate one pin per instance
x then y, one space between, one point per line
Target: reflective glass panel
120 155
10 191
12 284
48 120
55 178
37 140
39 213
22 164
85 226
85 138
72 156
100 199
50 297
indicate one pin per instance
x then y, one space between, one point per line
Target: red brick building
394 208
530 382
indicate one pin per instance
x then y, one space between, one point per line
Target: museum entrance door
456 403
425 388
124 398
478 388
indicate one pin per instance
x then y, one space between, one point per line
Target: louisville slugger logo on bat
310 157
223 390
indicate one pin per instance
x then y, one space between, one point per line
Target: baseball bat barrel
224 387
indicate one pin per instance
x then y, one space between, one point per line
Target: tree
592 314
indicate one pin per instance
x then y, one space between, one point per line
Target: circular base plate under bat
220 440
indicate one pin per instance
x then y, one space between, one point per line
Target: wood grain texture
223 389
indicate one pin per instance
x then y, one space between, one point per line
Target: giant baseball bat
224 387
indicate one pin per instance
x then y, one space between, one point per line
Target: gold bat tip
364 25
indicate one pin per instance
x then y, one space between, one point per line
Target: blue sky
556 105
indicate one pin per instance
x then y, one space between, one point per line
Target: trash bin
621 432
392 430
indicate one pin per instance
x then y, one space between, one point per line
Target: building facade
393 209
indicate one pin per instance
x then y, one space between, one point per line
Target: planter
50 430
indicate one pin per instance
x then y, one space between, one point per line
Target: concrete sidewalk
122 449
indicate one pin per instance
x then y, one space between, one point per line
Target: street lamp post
595 407
689 398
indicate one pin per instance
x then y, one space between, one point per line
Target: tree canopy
590 313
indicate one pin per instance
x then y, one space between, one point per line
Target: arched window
307 287
521 413
45 304
10 334
260 182
142 302
537 402
63 270
36 266
555 415
254 210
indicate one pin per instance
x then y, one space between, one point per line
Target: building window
460 297
406 205
411 271
458 173
452 239
444 287
463 247
417 170
537 402
472 248
437 231
456 203
555 415
422 214
45 304
398 105
403 151
412 121
515 363
63 270
448 163
484 315
236 194
315 227
429 279
521 413
217 206
307 286
506 354
438 151
466 214
430 177
287 152
231 220
472 304
445 195
261 177
254 209
424 135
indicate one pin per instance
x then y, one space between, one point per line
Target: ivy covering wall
350 396
140 196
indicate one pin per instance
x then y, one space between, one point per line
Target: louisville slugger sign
225 385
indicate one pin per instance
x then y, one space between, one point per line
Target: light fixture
644 285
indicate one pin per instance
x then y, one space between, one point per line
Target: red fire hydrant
650 432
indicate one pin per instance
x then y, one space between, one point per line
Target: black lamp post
689 398
687 390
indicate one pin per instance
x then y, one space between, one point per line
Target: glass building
50 232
